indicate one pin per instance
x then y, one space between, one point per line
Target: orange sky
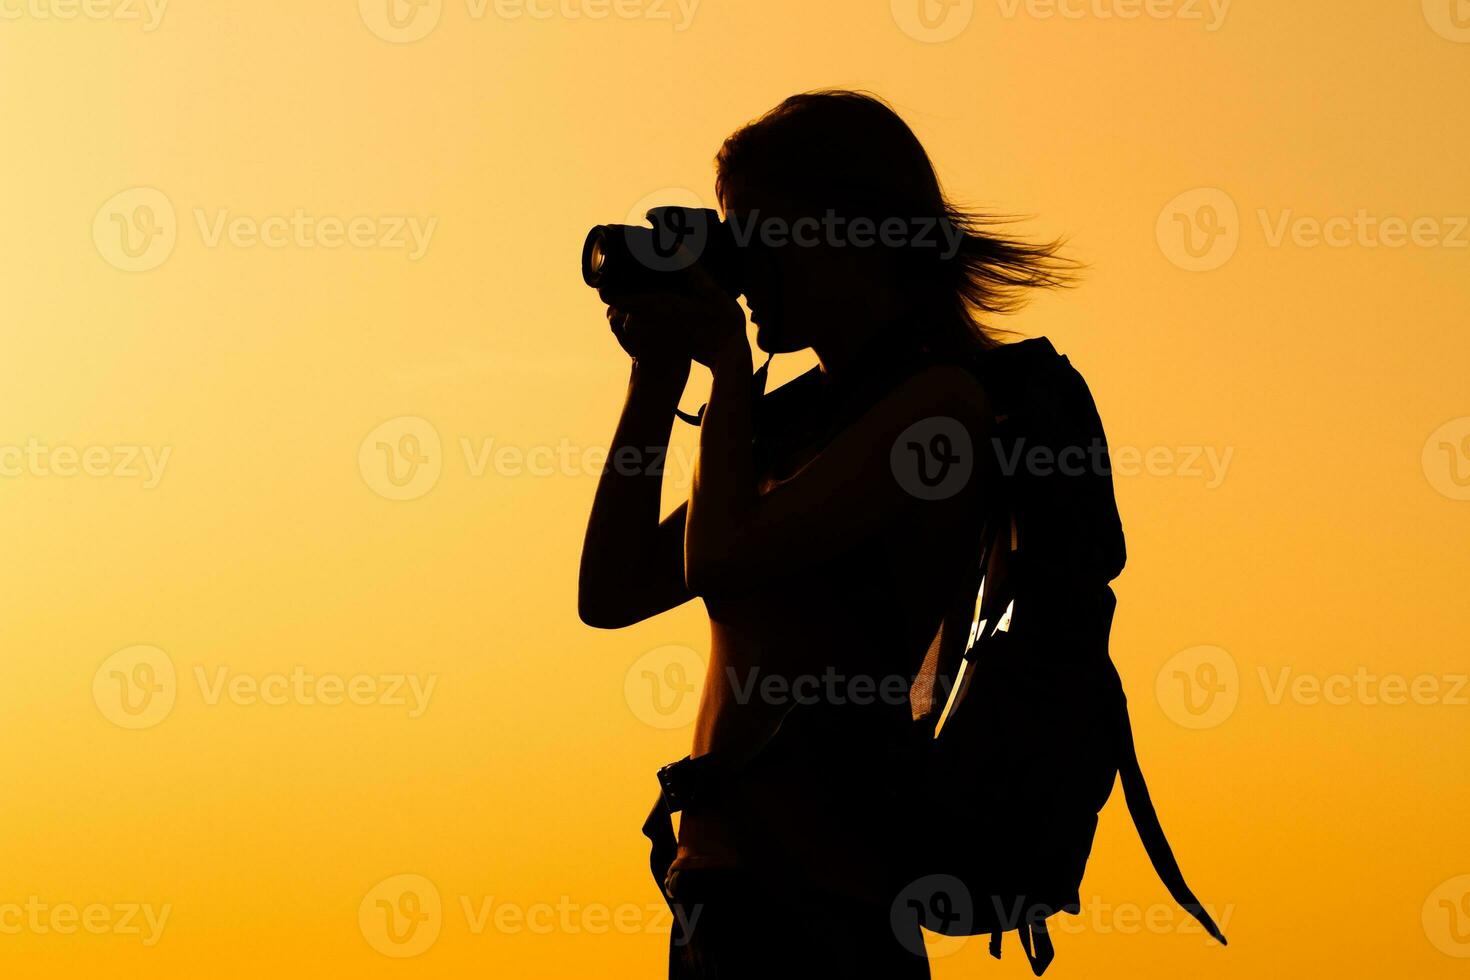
255 678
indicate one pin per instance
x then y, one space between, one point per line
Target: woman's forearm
724 492
622 531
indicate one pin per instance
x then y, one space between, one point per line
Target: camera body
628 258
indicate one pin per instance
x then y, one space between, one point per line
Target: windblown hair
851 154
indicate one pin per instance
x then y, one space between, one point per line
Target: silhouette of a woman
826 561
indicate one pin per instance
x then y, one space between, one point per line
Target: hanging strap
1146 822
1035 943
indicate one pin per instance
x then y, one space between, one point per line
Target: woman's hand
668 328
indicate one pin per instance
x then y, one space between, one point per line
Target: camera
660 257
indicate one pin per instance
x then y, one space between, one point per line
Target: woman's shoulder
801 390
950 386
913 388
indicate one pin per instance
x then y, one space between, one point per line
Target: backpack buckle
680 784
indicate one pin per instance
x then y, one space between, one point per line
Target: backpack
1020 721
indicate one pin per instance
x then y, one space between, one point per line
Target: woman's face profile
763 271
798 283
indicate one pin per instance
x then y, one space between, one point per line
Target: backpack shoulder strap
1151 833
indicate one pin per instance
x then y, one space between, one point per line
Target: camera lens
594 256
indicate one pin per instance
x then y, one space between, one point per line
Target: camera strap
757 384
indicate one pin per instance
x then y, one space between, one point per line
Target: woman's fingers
620 323
683 324
643 322
647 304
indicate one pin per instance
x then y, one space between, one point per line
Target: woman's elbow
615 604
601 614
599 605
600 620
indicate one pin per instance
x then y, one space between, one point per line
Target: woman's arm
736 537
723 497
633 564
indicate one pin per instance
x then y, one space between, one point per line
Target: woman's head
849 222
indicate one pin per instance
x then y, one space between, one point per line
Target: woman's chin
771 339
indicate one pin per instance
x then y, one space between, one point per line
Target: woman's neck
855 346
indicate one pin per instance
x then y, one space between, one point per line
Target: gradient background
1328 837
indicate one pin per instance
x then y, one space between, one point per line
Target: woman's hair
849 154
